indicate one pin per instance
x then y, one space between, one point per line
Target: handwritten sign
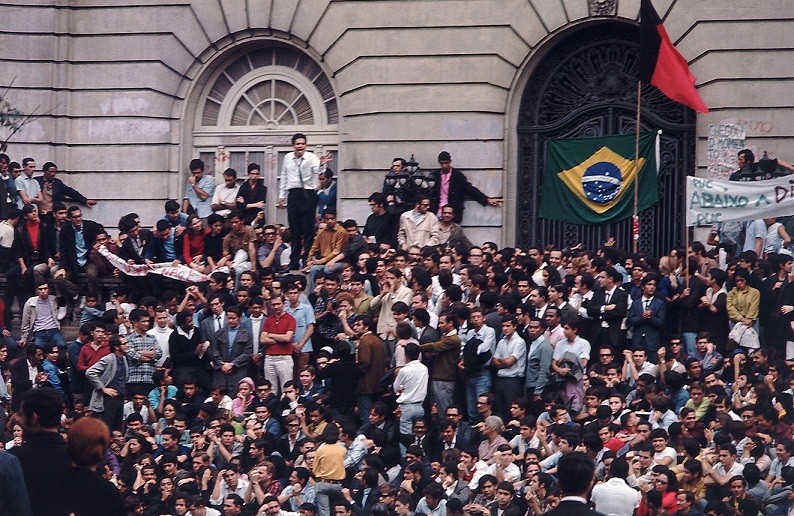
724 143
712 200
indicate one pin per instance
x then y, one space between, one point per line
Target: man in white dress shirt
298 189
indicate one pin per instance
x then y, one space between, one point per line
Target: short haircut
575 472
88 441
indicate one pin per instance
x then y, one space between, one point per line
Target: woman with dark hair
193 244
82 491
134 449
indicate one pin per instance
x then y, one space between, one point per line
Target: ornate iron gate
586 86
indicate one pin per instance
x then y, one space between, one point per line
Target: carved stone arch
247 95
586 86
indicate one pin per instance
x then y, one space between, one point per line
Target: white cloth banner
709 201
178 272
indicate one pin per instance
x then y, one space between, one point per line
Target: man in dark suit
576 474
210 325
75 242
609 307
647 316
59 191
452 188
23 376
232 352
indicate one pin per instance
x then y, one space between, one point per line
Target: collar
574 499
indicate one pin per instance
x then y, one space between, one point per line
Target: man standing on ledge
53 191
452 188
298 189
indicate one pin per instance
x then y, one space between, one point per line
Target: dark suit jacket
61 191
40 253
68 245
251 195
459 190
364 508
572 508
429 335
20 381
242 348
612 335
127 250
647 331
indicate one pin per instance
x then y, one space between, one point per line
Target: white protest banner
709 201
177 272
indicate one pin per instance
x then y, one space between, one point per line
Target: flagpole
635 226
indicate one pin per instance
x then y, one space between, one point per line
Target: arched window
252 105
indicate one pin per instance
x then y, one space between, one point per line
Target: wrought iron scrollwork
586 86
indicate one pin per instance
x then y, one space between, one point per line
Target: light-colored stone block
259 13
426 98
741 93
117 157
478 235
210 15
139 185
426 126
36 17
98 131
124 76
467 155
476 215
356 209
307 15
706 37
282 14
630 9
759 122
551 13
131 48
235 15
576 9
712 66
500 40
367 70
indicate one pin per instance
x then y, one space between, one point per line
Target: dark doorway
586 86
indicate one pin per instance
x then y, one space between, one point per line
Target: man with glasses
76 240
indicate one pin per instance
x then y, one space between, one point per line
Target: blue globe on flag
601 182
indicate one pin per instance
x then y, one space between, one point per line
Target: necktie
298 163
537 313
647 304
217 322
608 297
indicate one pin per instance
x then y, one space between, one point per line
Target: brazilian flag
591 181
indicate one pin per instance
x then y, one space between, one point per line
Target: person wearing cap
452 188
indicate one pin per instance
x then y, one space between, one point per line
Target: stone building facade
131 90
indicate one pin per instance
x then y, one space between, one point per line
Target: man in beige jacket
418 227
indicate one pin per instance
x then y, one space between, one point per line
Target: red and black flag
662 65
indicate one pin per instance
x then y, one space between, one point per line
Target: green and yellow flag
591 181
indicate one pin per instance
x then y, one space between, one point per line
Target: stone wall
118 80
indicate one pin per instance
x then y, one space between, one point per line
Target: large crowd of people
397 369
